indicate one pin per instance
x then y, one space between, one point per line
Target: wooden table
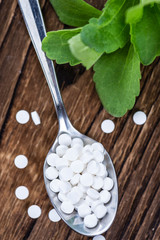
133 148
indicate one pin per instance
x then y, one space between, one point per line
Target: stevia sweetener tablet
100 211
139 118
90 221
51 173
67 207
64 139
35 118
22 116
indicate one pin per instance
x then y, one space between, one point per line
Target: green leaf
56 46
117 80
145 32
75 13
109 32
135 13
145 2
83 53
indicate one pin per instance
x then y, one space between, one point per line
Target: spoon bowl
73 220
35 25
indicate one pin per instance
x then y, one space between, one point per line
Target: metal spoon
34 22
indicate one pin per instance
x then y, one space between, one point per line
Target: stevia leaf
145 32
83 53
75 13
117 80
56 46
146 2
109 32
135 13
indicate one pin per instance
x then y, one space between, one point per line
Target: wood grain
134 149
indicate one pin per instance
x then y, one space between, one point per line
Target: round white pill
78 190
102 170
86 179
73 196
51 159
76 141
86 157
61 150
75 179
100 211
77 166
22 192
99 237
21 161
62 197
108 184
90 221
61 163
81 201
64 139
107 126
55 185
22 116
93 167
84 210
65 187
95 204
98 146
51 173
67 207
89 200
79 148
53 216
93 193
82 188
88 148
139 118
98 156
97 182
34 211
105 196
66 174
72 154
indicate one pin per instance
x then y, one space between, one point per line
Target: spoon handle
35 25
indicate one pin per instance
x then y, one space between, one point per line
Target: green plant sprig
114 41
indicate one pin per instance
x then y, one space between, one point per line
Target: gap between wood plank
88 129
13 95
140 192
133 209
123 164
127 182
154 221
26 236
18 78
9 27
157 230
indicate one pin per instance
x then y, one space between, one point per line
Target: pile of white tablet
80 178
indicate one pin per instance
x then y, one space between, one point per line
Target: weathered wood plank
143 206
7 12
13 54
152 219
157 233
135 187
